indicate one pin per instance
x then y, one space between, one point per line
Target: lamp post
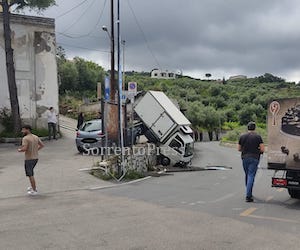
112 64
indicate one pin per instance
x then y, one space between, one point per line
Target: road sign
132 87
107 88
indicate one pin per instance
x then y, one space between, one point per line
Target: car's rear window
91 126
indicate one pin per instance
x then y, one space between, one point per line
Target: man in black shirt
251 145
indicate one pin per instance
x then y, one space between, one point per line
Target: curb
16 140
119 185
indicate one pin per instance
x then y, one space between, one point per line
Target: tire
165 161
81 150
294 193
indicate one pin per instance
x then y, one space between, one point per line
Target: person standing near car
251 147
31 144
52 121
80 120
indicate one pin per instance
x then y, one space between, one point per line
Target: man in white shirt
52 121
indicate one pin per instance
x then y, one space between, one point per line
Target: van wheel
294 193
165 161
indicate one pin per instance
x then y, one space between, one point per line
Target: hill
210 104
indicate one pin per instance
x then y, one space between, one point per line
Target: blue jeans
250 167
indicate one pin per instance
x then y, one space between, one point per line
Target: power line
79 18
75 7
84 48
78 36
143 33
92 29
100 17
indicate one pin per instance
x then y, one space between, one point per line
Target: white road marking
273 218
119 185
237 208
248 213
223 198
201 202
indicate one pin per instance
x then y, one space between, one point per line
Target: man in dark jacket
251 145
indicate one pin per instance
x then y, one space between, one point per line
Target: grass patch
101 174
11 134
133 175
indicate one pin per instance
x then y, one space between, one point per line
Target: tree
267 77
10 68
78 74
208 75
68 77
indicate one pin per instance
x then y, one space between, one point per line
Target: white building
160 74
33 41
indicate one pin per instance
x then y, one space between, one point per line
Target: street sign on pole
107 88
132 87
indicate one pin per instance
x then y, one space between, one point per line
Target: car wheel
165 161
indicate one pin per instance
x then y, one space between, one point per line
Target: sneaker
29 188
249 199
32 192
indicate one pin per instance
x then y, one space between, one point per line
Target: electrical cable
78 36
70 10
143 34
79 18
92 29
79 47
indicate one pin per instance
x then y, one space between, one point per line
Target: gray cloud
219 36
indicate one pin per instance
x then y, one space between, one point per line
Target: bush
230 125
38 132
133 175
234 135
6 119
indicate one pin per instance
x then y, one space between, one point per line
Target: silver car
89 135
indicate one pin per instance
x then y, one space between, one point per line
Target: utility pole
112 65
120 85
10 68
119 72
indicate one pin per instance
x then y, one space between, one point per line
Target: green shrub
6 119
133 175
230 125
10 134
234 135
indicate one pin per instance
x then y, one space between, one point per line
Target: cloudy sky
221 37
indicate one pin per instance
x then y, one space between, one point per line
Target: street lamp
112 64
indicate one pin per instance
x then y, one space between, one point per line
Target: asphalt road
191 210
220 192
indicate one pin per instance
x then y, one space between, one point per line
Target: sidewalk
56 171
